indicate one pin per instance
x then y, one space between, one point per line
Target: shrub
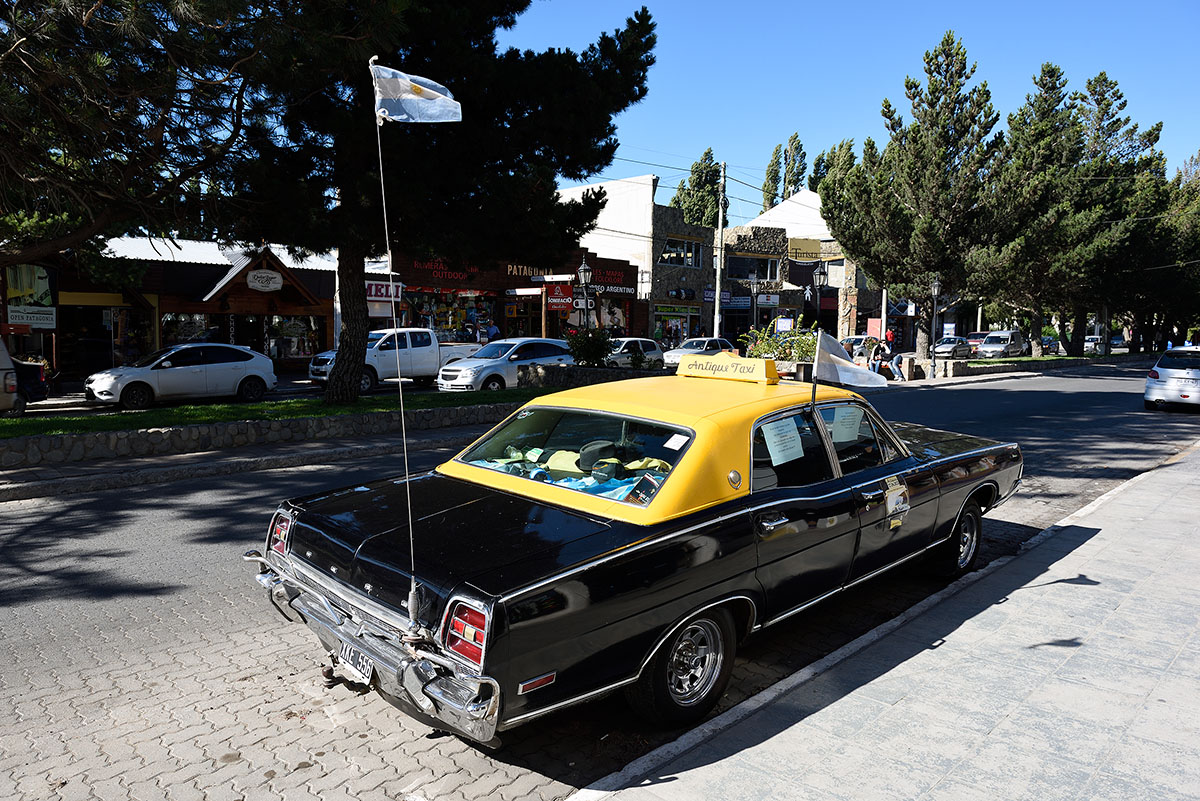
796 345
590 346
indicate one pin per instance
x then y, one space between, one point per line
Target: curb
161 475
642 766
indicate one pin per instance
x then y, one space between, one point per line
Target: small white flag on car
400 97
833 366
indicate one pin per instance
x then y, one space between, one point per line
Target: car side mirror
164 365
514 357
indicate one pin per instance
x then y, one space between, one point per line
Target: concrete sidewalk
1071 671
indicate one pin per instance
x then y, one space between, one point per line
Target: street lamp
585 277
820 281
754 300
936 287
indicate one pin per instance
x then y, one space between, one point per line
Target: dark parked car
1049 344
626 535
32 386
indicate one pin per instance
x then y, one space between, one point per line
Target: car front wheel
136 396
689 673
252 390
493 384
367 382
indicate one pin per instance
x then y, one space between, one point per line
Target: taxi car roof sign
729 367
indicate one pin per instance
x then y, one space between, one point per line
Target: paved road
143 662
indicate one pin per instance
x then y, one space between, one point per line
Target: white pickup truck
416 351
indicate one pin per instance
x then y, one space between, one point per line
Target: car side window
185 357
526 351
853 436
725 344
420 339
216 354
788 452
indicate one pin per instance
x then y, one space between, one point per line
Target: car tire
958 555
137 396
252 389
657 364
492 383
18 407
688 675
368 381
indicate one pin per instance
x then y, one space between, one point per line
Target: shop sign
676 310
711 294
33 316
558 297
439 271
768 300
264 280
382 290
525 271
737 303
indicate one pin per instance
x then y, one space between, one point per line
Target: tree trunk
1138 335
1078 330
343 383
1063 336
924 331
1035 333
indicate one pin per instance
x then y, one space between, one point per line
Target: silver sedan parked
952 348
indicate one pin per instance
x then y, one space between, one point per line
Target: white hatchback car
494 366
703 345
1174 379
192 370
624 348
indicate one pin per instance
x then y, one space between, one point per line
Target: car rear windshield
607 455
1180 360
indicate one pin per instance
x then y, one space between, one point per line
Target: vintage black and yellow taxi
624 535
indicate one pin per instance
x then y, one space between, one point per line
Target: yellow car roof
719 410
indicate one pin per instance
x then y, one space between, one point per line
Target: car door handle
873 495
768 525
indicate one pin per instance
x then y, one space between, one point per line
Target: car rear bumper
1172 392
420 682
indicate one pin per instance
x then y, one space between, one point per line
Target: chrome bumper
420 682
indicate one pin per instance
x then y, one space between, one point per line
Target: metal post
720 256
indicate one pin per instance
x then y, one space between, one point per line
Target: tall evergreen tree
770 187
795 166
699 196
819 169
528 117
1035 218
914 211
110 112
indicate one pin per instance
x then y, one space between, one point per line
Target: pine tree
770 187
699 196
819 169
914 211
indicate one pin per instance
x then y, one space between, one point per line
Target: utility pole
720 255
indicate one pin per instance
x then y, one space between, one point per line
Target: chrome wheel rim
364 383
695 662
968 539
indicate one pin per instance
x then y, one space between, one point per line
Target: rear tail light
1154 374
281 524
10 382
467 633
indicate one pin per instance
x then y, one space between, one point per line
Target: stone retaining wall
35 450
540 375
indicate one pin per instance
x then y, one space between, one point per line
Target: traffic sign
580 303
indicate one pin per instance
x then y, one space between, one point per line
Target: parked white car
704 345
624 348
1091 344
1002 344
192 370
8 380
415 351
1174 379
495 365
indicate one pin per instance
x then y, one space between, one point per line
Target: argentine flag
410 98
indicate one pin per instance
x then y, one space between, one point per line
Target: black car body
528 602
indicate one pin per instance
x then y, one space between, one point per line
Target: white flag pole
413 621
816 361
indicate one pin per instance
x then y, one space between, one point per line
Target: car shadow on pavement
805 704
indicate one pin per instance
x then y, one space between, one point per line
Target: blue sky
741 77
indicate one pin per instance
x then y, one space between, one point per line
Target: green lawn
167 416
1066 359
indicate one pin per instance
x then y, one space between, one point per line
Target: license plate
358 666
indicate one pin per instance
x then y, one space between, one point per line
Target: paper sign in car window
676 442
783 441
846 423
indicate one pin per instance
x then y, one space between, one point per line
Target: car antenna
411 107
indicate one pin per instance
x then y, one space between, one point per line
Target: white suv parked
494 366
192 370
